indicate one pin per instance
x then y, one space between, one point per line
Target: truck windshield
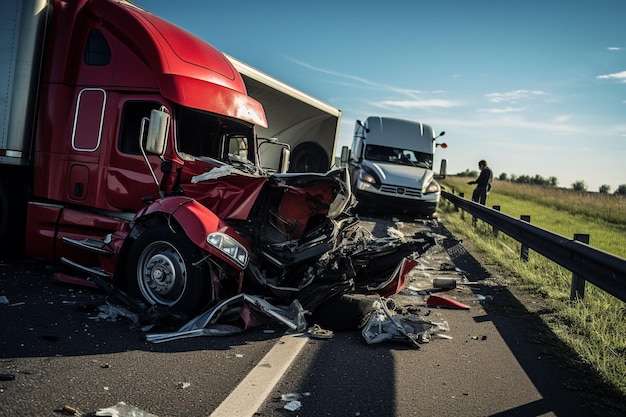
202 135
399 156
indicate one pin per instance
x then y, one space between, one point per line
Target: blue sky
533 87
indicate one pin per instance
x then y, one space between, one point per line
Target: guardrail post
495 231
578 282
456 208
524 249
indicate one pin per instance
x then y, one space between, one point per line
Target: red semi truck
128 151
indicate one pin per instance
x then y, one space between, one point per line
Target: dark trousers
480 195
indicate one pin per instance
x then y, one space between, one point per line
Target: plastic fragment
122 409
293 405
112 312
71 410
439 301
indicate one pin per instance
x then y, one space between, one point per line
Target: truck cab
391 166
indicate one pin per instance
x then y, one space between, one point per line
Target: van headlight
229 247
366 177
432 187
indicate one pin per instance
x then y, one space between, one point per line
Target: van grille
401 191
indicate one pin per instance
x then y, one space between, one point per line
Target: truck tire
13 197
308 157
161 271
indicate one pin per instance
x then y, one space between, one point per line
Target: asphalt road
500 361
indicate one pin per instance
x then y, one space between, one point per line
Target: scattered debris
386 325
294 405
70 411
112 312
445 283
445 302
122 409
316 332
241 309
447 267
293 400
183 385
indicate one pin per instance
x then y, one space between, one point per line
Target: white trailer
308 125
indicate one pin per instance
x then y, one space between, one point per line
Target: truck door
128 178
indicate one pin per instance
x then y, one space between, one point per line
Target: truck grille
401 191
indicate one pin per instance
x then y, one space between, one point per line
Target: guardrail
604 270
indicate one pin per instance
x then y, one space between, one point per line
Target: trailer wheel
308 157
161 270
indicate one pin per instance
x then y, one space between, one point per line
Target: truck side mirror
283 164
273 155
345 154
157 132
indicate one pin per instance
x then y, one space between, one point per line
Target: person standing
483 183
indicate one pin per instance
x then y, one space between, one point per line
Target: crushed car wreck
288 254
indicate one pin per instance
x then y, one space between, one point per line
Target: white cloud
562 119
621 76
501 110
400 90
614 48
513 96
417 104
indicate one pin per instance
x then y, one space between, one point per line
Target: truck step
88 269
91 245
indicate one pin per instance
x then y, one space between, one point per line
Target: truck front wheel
161 270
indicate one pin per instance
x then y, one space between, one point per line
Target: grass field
595 327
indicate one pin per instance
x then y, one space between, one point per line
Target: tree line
547 182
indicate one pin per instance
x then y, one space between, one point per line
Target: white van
391 166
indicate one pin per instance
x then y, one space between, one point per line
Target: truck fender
195 220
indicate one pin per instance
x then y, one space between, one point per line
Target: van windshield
399 156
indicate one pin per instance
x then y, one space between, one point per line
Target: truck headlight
229 247
432 187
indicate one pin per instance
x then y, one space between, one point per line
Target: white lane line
250 394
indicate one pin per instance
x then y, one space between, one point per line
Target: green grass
565 212
595 327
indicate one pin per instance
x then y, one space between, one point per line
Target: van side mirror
442 170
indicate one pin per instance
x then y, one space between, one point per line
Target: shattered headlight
229 247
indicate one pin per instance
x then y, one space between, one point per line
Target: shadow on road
43 318
562 378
